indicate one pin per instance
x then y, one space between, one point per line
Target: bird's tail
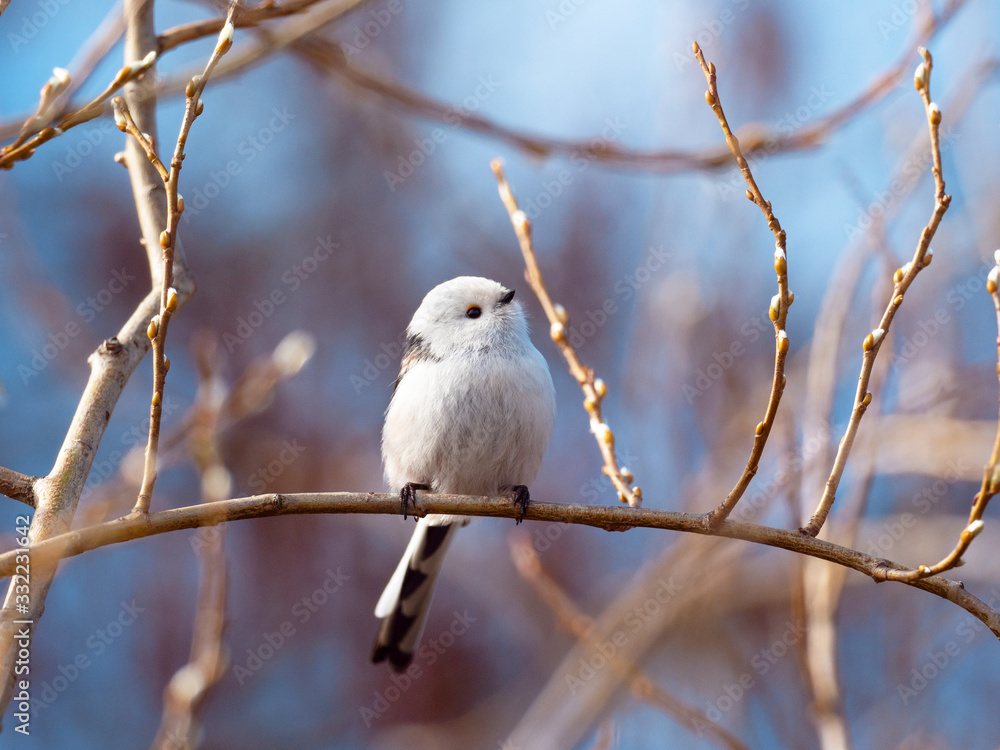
407 598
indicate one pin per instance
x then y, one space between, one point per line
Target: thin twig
754 137
902 279
610 517
594 390
58 493
243 18
190 685
96 48
582 627
778 311
989 487
31 137
168 238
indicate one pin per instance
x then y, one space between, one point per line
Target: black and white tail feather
471 413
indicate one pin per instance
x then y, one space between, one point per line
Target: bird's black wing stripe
414 351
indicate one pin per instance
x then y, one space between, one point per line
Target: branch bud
934 113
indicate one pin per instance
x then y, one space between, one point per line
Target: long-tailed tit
471 414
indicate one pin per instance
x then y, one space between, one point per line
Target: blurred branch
594 390
611 518
148 190
754 137
58 493
778 310
582 627
902 280
188 688
328 54
243 18
96 48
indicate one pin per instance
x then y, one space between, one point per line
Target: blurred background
351 199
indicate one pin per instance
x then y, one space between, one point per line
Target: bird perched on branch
471 414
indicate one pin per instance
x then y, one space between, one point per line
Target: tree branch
613 518
902 280
594 389
18 486
778 310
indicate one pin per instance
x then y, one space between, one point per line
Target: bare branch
991 478
594 390
778 311
34 132
611 518
582 627
902 279
168 241
18 486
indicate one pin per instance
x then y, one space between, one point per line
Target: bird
471 413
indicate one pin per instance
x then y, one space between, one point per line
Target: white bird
471 414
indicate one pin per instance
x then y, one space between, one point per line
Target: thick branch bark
57 494
18 486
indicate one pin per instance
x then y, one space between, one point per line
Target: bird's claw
408 496
521 500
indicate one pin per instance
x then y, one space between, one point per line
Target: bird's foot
408 496
521 499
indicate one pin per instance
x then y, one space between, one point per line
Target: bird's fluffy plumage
471 414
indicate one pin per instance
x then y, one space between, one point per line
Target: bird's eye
473 311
